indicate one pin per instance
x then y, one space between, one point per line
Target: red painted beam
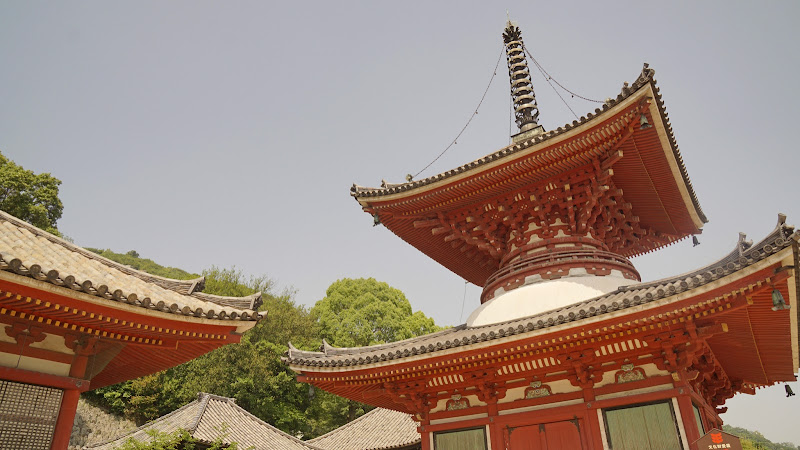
43 379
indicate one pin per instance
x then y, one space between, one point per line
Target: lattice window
28 415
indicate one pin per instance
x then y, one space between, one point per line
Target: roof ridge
252 301
232 402
107 279
145 426
737 252
330 349
646 76
173 284
203 398
348 424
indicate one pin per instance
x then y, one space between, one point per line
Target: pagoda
71 320
569 349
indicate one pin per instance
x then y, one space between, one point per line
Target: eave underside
126 343
749 345
647 173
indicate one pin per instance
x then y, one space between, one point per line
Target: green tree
28 196
250 371
754 440
353 313
357 313
177 440
364 311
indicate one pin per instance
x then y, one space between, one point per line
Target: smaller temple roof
212 417
744 255
377 429
31 252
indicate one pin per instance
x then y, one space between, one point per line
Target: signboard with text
718 439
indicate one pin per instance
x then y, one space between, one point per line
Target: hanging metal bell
695 241
643 122
778 303
789 391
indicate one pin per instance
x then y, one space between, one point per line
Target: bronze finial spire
525 109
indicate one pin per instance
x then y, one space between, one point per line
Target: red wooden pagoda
569 350
71 320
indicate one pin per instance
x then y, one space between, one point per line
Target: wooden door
563 435
525 438
546 436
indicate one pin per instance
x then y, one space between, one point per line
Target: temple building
569 348
71 320
214 419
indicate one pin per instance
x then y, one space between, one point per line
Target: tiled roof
745 254
646 77
28 251
211 417
376 430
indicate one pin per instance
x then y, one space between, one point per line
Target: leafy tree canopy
28 196
357 313
753 440
251 371
364 311
177 440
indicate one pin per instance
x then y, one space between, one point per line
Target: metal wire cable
511 122
463 301
550 77
472 116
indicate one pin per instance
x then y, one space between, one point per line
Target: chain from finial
526 110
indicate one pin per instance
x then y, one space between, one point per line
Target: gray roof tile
211 417
744 255
646 77
376 430
34 253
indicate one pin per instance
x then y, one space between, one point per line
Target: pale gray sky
229 133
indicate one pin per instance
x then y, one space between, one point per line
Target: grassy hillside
145 265
753 440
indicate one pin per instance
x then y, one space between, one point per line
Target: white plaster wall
650 370
441 405
34 364
4 337
53 342
538 295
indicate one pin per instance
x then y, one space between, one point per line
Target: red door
525 438
546 436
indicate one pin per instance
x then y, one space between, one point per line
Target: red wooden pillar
425 436
689 421
426 441
591 428
496 435
83 347
66 417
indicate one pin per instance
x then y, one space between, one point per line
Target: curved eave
136 340
179 286
45 292
777 248
757 345
26 252
645 85
651 174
